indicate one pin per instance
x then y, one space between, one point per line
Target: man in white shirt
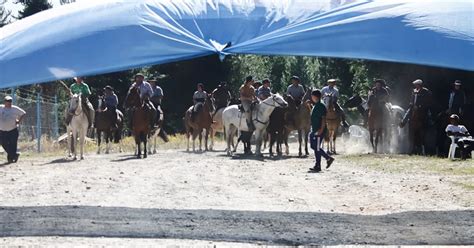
10 117
461 135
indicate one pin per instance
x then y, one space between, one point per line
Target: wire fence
43 120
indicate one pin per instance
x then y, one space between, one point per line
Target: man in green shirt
79 87
318 130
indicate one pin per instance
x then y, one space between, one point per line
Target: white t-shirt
9 116
456 129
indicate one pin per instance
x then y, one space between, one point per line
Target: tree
4 14
31 7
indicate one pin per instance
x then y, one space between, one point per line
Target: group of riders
252 92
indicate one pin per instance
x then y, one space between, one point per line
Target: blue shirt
111 101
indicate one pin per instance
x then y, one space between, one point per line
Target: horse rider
378 95
247 97
221 96
461 136
146 92
156 97
331 90
199 96
457 99
297 92
111 103
81 88
421 99
264 91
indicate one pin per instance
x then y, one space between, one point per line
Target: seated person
461 136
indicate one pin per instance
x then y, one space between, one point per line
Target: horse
376 121
333 121
202 121
141 120
234 120
395 137
108 122
276 130
78 126
301 121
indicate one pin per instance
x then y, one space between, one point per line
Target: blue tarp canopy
93 37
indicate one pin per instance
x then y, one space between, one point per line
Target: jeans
9 141
315 142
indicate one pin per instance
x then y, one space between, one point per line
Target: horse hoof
82 158
145 156
107 152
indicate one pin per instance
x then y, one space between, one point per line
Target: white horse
77 128
155 133
234 120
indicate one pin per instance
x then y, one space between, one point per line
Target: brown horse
377 123
333 121
301 112
141 119
202 121
110 123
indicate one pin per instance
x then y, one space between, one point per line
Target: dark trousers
9 140
316 142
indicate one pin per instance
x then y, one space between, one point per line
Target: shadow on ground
284 228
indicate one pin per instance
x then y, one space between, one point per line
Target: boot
316 168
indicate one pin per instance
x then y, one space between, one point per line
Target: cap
458 82
418 81
332 80
8 98
454 116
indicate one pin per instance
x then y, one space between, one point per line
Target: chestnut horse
201 121
333 121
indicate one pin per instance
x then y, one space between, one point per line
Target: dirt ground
186 199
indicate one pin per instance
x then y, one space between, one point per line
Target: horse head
133 98
101 102
353 102
75 103
276 100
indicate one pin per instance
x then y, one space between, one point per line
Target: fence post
38 120
55 123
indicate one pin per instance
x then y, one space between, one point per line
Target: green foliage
31 7
4 14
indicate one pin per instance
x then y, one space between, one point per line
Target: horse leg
82 138
108 142
371 133
145 141
228 132
206 139
99 139
200 141
334 142
300 141
287 147
69 143
211 133
306 142
258 141
138 145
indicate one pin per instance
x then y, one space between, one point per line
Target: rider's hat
8 98
108 87
295 78
418 81
454 116
332 80
458 82
381 81
139 75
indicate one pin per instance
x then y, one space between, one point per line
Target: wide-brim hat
108 87
295 78
8 98
458 82
332 80
454 116
139 75
418 81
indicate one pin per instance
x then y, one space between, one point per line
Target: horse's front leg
69 143
212 133
306 143
108 142
258 141
155 137
187 140
82 139
300 141
206 139
99 140
145 141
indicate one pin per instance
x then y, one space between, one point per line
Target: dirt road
179 197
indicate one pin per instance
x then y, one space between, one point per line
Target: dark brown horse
141 119
377 122
201 120
276 130
108 122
